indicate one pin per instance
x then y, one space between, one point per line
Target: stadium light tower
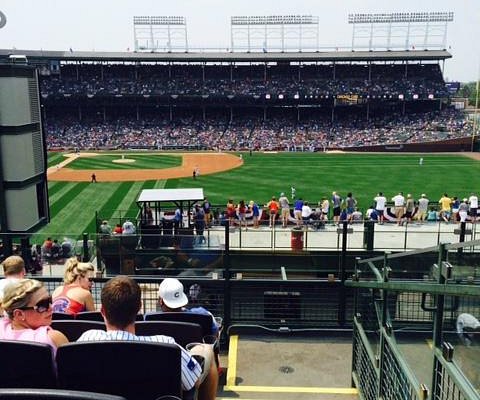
274 33
3 20
157 33
412 29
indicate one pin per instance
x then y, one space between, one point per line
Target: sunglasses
41 307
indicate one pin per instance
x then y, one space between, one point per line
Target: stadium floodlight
157 33
385 18
3 20
274 20
411 29
274 32
159 20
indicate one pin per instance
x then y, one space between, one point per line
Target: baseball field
122 175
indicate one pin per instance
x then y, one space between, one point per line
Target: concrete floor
261 367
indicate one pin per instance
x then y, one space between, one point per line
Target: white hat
171 292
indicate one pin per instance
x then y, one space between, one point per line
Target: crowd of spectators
324 81
252 132
342 122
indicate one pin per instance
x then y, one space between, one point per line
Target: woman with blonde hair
28 307
75 296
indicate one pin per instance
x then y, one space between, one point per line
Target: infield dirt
205 163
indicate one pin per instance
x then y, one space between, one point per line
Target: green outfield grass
54 158
262 176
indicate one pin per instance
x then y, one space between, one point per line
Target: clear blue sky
106 25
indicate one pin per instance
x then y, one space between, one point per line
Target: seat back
26 365
73 329
135 370
89 316
183 332
205 321
97 316
61 315
54 394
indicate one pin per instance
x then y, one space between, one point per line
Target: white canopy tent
158 199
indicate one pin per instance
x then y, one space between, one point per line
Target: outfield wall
452 145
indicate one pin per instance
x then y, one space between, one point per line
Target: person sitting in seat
356 217
56 249
75 296
306 213
172 298
105 228
29 314
13 269
432 215
66 248
128 228
121 302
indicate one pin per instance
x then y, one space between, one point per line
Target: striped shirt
191 370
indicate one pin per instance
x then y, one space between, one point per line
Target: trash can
368 235
297 239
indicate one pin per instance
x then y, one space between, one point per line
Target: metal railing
394 312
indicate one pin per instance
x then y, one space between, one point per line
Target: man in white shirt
306 212
473 202
13 269
128 228
399 207
467 328
121 302
421 214
380 202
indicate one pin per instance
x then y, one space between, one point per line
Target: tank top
65 304
39 335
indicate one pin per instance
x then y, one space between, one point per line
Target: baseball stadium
321 205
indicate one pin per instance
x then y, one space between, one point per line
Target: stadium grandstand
241 101
343 308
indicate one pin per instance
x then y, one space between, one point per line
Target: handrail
460 245
461 383
402 254
418 287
